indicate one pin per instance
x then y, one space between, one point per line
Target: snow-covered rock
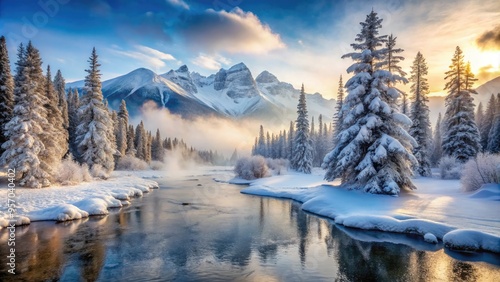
430 238
472 240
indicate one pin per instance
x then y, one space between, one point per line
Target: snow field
438 210
62 203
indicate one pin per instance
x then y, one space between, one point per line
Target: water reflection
223 235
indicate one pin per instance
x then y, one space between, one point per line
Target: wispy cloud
179 3
153 58
236 31
211 62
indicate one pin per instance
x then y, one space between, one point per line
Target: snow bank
64 203
472 240
488 192
433 211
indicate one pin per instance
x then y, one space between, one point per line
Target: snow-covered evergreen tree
140 142
93 131
494 135
6 91
461 139
437 149
302 152
487 123
337 118
24 131
122 127
73 106
55 136
420 130
130 141
60 86
372 151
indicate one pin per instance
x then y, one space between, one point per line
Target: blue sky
298 41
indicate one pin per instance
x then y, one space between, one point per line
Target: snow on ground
438 208
64 203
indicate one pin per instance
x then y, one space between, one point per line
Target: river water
195 229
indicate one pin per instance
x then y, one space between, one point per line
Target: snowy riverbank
63 203
438 209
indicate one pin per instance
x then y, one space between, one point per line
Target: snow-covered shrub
99 171
277 165
482 170
251 168
156 165
128 162
70 172
450 168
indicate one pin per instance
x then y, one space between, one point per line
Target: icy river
195 229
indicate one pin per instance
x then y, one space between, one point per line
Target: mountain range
232 93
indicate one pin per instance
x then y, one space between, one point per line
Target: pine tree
437 151
6 91
73 106
130 141
489 116
55 137
157 150
337 118
461 139
140 141
372 151
494 135
60 86
420 130
291 138
302 151
480 118
122 126
93 131
24 131
149 141
268 145
261 146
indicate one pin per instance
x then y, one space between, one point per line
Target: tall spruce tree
60 86
480 118
130 141
157 150
6 91
261 144
140 141
55 137
461 139
489 116
291 137
420 130
122 126
302 152
372 151
337 118
437 151
93 131
73 120
25 130
494 135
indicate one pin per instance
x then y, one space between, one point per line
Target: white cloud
233 32
153 58
179 3
211 62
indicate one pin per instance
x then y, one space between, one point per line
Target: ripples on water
224 235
